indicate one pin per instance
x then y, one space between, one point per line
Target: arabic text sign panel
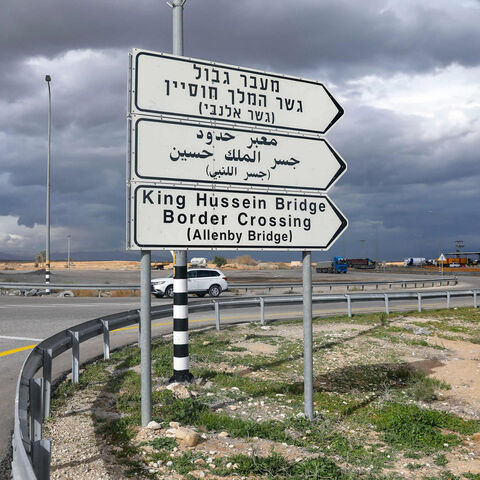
179 86
174 151
196 218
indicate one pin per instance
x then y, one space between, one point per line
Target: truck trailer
361 263
337 265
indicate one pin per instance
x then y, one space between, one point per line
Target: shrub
245 260
219 261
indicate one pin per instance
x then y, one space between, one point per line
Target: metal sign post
307 335
145 337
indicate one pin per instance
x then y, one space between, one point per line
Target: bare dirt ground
395 397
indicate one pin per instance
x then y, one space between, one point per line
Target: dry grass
125 293
85 293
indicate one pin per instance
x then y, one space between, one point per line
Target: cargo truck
461 261
361 263
414 262
337 265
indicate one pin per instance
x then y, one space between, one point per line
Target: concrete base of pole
181 376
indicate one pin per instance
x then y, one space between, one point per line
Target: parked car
199 280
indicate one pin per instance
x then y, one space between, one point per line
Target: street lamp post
68 251
376 222
362 243
47 249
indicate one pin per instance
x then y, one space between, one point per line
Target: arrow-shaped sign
178 151
184 87
197 218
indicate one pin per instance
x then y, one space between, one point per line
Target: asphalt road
24 321
244 276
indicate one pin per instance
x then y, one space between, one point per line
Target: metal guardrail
31 452
415 283
440 281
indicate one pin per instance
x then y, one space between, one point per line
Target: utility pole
48 79
458 246
362 243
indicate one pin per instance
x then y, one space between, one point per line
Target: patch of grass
445 475
185 463
387 334
126 358
185 411
127 381
120 430
415 428
62 393
441 460
94 374
422 387
250 386
162 355
238 427
276 467
359 319
471 476
129 403
162 443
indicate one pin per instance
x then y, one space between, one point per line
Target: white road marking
3 337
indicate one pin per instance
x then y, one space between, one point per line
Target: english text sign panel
179 151
195 218
197 89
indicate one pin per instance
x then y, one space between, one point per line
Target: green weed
412 427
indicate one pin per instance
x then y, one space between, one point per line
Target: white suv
200 281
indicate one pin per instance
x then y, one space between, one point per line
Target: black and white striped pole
181 359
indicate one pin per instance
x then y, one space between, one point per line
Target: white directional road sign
221 219
179 151
196 89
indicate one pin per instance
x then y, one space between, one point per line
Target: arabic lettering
222 137
255 175
177 154
236 156
262 141
224 171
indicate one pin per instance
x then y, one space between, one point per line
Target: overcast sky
407 74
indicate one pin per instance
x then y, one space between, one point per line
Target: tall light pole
376 222
47 248
68 251
362 243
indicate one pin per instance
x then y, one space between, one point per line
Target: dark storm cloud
340 35
415 185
